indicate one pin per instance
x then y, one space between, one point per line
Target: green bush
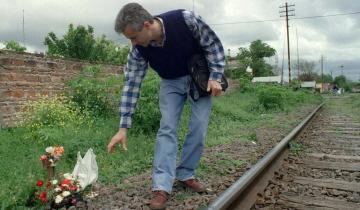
270 97
93 93
245 84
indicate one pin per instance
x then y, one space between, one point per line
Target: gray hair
133 15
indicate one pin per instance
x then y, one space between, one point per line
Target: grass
348 103
20 155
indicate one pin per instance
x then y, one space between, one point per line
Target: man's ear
147 24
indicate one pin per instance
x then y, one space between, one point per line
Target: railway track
319 170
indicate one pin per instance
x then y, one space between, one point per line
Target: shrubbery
270 97
94 94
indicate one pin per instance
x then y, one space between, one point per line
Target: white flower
54 182
49 150
58 199
58 189
65 193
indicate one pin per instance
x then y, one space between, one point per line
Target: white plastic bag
86 169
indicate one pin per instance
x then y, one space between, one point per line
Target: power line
275 20
322 16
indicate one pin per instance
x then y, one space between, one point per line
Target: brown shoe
194 185
159 200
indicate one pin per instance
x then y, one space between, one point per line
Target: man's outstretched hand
119 138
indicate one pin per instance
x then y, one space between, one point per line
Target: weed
296 148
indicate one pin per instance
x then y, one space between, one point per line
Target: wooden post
49 168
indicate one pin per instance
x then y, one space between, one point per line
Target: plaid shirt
136 66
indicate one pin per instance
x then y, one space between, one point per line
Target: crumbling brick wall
25 76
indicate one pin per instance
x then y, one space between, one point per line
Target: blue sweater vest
170 61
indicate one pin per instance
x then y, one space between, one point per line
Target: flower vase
50 172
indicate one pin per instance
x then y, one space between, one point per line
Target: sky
320 28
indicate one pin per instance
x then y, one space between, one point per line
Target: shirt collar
161 44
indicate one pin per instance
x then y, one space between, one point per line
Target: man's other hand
214 87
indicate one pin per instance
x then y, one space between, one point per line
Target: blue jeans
173 95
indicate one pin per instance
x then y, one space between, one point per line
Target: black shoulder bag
199 72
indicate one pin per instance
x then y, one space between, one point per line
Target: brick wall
24 76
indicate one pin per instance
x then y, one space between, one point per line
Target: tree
77 43
107 51
340 80
326 78
14 45
307 69
254 57
81 43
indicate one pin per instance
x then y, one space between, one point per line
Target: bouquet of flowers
58 193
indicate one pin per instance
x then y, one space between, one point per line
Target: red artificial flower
42 197
73 188
39 183
65 182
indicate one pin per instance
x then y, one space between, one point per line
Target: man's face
142 37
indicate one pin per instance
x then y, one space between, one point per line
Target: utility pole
287 10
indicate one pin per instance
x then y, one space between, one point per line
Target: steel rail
235 191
